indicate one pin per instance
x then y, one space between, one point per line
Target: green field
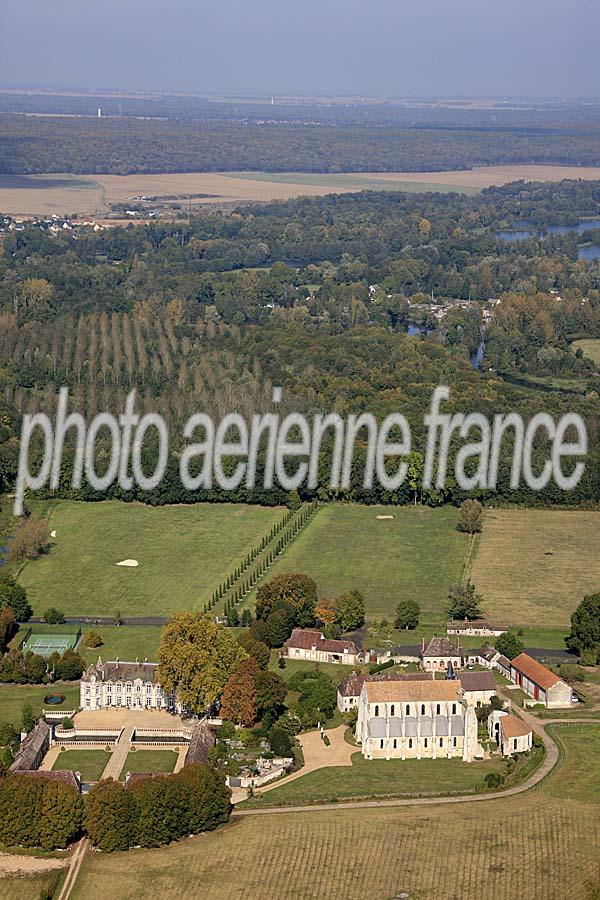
155 761
183 552
91 763
28 887
544 844
534 566
14 696
417 554
357 182
578 776
590 348
381 778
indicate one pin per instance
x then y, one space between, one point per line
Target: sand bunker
384 517
129 563
53 534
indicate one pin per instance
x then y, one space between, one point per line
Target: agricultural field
93 195
183 553
534 566
381 778
14 696
590 347
26 887
379 853
91 763
418 554
156 761
578 776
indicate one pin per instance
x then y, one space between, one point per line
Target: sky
374 48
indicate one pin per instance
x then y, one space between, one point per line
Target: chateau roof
306 639
123 670
399 691
32 745
202 741
535 671
477 681
513 727
441 646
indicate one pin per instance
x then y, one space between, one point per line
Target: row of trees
30 668
152 811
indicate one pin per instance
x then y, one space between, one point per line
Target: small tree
28 719
280 742
509 645
54 616
471 517
350 610
465 602
92 639
407 614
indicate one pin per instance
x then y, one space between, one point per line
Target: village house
478 687
440 653
539 682
416 720
511 733
348 692
133 685
477 628
306 643
502 663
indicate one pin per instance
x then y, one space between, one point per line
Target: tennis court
46 644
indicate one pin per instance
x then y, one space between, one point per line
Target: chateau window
410 743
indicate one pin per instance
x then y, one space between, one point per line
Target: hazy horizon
390 50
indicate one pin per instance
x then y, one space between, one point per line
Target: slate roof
477 681
123 670
202 742
441 646
31 746
66 777
351 686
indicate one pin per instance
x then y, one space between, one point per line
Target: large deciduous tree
238 703
471 517
509 644
196 657
585 627
111 816
465 602
297 590
350 610
407 614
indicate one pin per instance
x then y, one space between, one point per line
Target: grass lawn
578 775
91 763
382 778
25 887
590 348
14 696
156 761
292 666
417 554
535 566
184 552
124 641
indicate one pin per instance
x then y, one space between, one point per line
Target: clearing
534 566
184 552
590 347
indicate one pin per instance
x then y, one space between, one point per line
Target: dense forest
126 145
316 295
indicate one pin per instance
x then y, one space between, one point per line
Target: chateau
416 720
132 685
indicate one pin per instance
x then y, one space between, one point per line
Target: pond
588 251
54 700
511 235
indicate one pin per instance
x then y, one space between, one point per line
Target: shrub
92 639
67 723
54 616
